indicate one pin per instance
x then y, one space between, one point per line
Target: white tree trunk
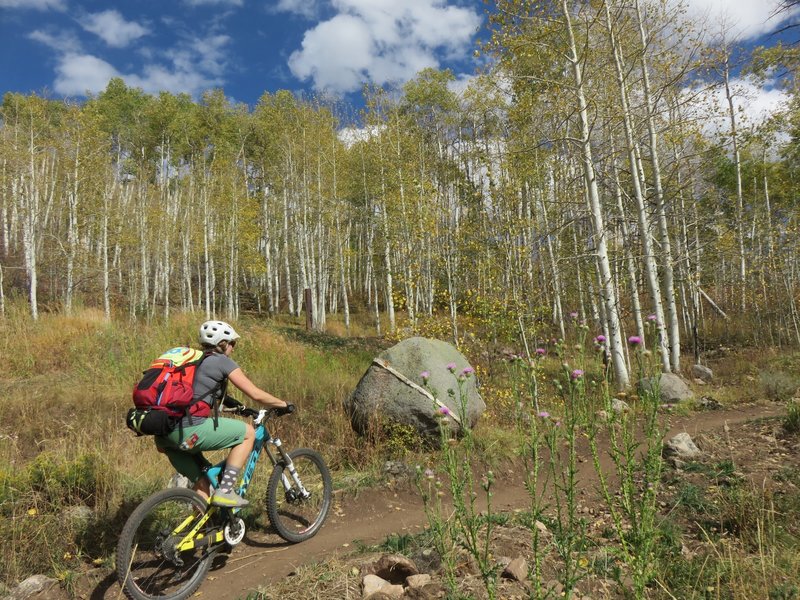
673 327
607 283
651 269
737 161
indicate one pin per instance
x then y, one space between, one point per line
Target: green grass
791 424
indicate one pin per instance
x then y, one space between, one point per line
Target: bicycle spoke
298 512
156 568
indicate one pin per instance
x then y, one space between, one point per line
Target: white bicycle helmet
213 332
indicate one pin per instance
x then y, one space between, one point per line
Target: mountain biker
184 446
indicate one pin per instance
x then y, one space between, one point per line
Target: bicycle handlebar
260 414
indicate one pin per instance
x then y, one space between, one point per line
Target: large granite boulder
395 390
671 388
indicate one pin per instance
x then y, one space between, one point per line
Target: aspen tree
672 325
651 269
607 283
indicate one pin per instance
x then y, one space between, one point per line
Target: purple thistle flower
541 351
425 375
444 410
651 318
576 374
451 367
543 414
468 371
634 340
600 339
573 315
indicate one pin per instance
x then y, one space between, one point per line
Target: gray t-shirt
211 372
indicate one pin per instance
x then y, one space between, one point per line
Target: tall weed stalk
550 454
634 447
468 527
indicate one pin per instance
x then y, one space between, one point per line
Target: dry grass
67 387
63 442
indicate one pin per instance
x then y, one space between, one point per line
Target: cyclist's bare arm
241 381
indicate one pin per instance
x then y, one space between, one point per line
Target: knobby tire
296 519
147 566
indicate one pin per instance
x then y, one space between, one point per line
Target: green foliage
778 386
791 423
784 591
52 511
721 472
692 498
399 439
58 482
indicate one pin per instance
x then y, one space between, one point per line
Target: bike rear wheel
297 516
149 565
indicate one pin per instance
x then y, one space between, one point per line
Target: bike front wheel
150 565
297 512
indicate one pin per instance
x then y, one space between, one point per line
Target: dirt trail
374 514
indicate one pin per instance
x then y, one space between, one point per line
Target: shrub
791 424
778 386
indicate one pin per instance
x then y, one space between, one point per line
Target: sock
229 478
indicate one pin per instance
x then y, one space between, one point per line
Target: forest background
577 181
577 175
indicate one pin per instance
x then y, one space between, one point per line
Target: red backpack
165 394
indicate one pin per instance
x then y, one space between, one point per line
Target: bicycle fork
301 493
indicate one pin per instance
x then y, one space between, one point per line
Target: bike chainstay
194 538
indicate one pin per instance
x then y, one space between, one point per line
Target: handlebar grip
287 410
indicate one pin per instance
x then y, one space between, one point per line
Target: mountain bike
169 542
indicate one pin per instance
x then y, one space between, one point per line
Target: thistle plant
440 527
524 386
560 438
551 460
634 446
467 527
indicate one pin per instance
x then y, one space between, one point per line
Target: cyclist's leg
228 433
184 447
225 494
239 453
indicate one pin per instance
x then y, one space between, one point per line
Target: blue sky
246 47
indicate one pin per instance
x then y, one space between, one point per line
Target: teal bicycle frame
193 537
262 442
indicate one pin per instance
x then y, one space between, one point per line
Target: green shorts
184 448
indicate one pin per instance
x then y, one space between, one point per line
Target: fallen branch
712 303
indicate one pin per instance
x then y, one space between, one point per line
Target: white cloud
461 83
382 41
112 28
303 8
754 103
77 74
747 18
350 136
61 42
34 4
192 66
